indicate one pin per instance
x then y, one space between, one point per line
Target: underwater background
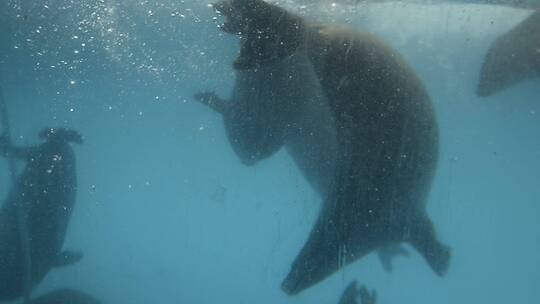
165 211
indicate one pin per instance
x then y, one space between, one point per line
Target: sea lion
46 192
512 58
65 296
281 104
308 136
385 131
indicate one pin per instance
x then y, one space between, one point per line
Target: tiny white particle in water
140 113
72 110
201 128
334 4
130 186
75 37
72 82
76 52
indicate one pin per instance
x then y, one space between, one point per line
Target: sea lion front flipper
387 253
8 150
67 258
423 238
212 100
368 297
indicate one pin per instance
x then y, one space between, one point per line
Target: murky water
166 212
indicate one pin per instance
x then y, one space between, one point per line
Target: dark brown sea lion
386 137
512 58
46 191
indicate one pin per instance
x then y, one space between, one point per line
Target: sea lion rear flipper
212 100
350 294
424 240
367 297
67 258
340 236
387 253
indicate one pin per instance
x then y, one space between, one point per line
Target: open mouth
234 21
268 33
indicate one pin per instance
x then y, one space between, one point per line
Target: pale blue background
167 214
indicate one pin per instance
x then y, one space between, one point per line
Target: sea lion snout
234 23
268 32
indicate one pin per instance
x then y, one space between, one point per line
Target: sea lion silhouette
385 134
512 58
46 192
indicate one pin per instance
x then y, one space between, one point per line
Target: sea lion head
60 135
268 33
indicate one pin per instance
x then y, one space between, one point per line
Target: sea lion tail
423 238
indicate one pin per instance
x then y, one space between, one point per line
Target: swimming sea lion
65 296
46 192
385 132
512 58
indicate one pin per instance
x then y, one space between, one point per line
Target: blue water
167 214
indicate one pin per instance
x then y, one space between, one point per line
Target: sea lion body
385 138
46 192
388 149
280 105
